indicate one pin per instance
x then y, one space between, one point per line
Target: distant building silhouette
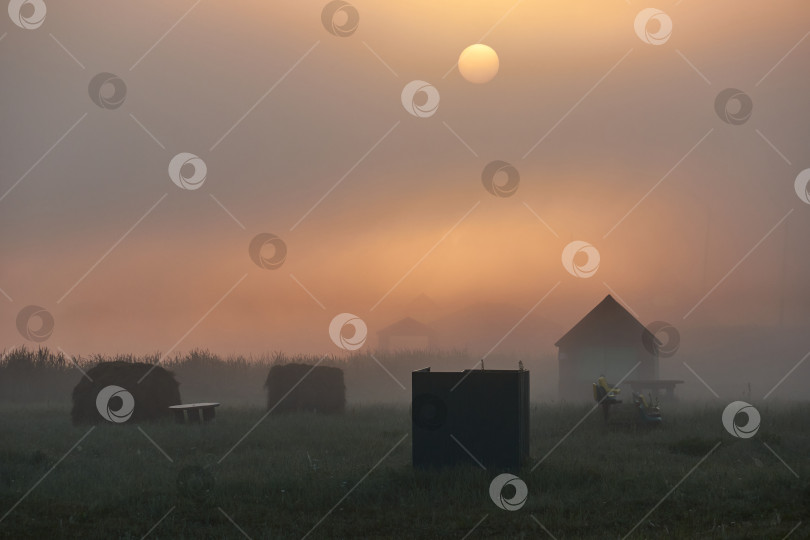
407 333
608 341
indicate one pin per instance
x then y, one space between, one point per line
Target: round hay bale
321 391
152 397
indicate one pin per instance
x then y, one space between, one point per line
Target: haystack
322 391
152 396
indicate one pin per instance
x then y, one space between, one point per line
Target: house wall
406 342
581 366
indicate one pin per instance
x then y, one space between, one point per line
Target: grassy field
299 474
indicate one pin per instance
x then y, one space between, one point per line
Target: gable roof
407 327
609 322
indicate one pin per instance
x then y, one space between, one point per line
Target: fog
304 136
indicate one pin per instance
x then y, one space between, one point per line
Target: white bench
194 409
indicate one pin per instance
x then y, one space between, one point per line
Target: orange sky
603 148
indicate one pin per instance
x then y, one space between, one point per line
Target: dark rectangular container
473 416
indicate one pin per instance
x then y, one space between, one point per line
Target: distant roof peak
607 319
406 326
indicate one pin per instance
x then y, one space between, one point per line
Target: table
194 410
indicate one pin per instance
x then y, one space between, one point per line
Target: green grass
284 477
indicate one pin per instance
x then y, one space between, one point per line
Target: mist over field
356 269
594 177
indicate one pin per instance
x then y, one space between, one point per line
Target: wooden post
208 414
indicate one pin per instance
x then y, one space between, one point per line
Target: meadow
350 476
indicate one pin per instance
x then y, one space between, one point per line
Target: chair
604 395
603 391
648 414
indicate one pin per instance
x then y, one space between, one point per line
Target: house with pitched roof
608 341
407 333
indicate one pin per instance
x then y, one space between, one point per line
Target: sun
478 63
